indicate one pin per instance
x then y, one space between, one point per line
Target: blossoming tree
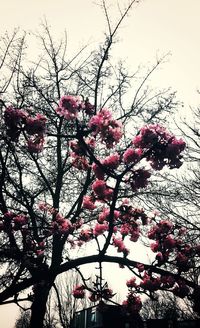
70 173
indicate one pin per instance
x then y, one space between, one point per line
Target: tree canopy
75 156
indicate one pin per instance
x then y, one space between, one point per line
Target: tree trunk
38 308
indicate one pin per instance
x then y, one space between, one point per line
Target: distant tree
167 306
24 319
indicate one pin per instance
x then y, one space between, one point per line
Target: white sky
154 27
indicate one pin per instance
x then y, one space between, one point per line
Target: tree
61 305
70 173
167 306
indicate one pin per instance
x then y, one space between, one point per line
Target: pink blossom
132 304
150 283
13 116
102 191
107 293
79 291
139 179
66 227
99 229
140 267
108 129
88 107
131 282
182 261
20 219
182 231
112 161
36 125
163 148
165 226
169 242
168 281
104 215
94 297
99 187
68 107
40 253
155 246
86 235
159 257
88 203
132 155
98 171
125 229
153 232
35 144
80 162
118 242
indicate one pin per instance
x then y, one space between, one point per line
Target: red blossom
79 291
168 281
155 246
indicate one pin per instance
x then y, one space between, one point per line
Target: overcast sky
153 28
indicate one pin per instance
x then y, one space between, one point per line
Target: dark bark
38 308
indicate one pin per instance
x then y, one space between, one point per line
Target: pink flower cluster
119 244
62 225
14 119
132 304
139 179
88 203
100 228
131 283
69 107
101 190
132 156
106 127
18 120
160 147
112 161
11 221
78 153
104 215
150 283
168 244
79 291
36 125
